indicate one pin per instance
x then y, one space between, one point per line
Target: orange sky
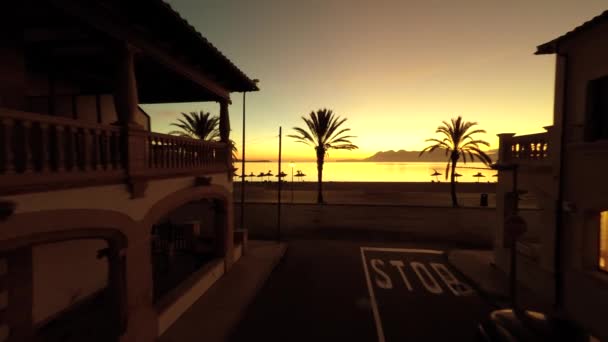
395 69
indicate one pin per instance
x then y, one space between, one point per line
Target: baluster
105 154
198 154
98 148
92 140
162 151
8 125
120 151
59 148
166 152
170 153
111 150
86 149
189 154
149 141
27 148
45 147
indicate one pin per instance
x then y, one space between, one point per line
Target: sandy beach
379 193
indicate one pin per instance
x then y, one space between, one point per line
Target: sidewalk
478 269
212 316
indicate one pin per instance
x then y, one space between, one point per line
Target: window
597 109
603 258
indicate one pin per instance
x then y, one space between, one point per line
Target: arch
20 232
181 197
65 224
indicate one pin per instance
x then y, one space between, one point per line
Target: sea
366 171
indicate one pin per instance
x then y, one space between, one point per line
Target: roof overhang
553 46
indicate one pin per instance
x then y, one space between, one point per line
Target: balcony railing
39 152
530 147
169 153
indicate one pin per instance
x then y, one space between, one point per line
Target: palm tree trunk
453 183
320 161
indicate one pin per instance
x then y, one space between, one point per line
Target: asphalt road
357 291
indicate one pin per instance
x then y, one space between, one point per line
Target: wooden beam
96 18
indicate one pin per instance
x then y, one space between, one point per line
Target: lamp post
292 166
243 163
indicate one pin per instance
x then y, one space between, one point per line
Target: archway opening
70 290
184 241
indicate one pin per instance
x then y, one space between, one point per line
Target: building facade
108 231
564 258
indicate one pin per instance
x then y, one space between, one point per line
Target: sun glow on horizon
396 69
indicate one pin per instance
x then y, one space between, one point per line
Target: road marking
372 298
400 265
403 250
383 280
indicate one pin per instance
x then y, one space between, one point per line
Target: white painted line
402 250
372 298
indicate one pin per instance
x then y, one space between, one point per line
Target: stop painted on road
402 281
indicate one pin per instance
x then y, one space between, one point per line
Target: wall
474 226
65 273
110 197
585 185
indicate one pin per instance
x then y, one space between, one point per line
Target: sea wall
471 226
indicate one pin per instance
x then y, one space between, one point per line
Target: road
357 291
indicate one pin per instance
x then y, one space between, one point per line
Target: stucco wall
475 226
586 187
65 273
110 197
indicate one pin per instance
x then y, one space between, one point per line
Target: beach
379 193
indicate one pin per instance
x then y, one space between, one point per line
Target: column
224 121
133 140
225 135
505 141
126 98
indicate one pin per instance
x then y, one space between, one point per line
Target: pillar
126 98
505 141
503 200
142 318
134 137
224 122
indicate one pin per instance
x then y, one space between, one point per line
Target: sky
395 68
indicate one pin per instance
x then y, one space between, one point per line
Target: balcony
41 153
530 149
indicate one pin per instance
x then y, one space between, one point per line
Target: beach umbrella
300 174
281 175
262 174
436 175
478 175
269 174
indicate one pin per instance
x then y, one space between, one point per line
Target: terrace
41 151
529 149
70 116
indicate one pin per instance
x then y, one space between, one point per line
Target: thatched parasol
436 175
478 175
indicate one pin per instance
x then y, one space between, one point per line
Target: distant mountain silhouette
412 156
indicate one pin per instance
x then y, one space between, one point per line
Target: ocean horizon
346 171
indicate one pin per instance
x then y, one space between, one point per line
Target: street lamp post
292 166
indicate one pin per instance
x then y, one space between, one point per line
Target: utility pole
279 192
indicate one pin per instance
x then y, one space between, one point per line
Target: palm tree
202 126
323 134
458 142
198 125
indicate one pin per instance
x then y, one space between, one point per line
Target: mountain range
413 156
